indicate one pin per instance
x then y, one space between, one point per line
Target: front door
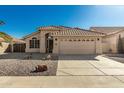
49 43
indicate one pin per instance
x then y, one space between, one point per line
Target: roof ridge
86 30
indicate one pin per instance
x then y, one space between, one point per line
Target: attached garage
77 47
77 41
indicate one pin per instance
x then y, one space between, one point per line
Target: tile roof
54 28
34 33
77 32
68 31
15 40
107 30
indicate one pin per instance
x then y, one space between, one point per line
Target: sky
23 20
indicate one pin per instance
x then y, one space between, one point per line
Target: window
34 43
98 39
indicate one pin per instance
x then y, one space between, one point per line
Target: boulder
41 68
49 57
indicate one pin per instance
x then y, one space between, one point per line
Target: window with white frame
34 43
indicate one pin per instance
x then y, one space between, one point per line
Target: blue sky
22 20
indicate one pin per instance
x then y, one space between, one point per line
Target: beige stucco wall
56 45
3 47
111 42
98 45
41 37
28 49
42 42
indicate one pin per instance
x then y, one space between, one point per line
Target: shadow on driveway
78 57
116 57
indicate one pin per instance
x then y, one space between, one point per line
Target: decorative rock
41 68
49 57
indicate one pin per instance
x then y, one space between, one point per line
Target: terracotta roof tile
15 40
67 31
77 32
54 28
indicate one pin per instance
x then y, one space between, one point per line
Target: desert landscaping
18 64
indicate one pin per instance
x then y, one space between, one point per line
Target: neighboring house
3 45
10 44
67 40
17 45
113 39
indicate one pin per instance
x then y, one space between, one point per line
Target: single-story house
67 40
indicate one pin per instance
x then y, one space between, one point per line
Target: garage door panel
77 47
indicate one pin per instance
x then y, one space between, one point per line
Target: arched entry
48 43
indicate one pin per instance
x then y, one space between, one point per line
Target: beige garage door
77 47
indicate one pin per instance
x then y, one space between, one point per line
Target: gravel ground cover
15 64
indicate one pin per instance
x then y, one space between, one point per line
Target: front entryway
49 43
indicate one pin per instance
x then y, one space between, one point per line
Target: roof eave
27 36
80 35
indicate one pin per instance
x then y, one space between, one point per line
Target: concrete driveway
99 66
75 71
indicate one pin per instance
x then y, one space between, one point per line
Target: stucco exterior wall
3 47
42 40
110 42
28 49
98 45
56 44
